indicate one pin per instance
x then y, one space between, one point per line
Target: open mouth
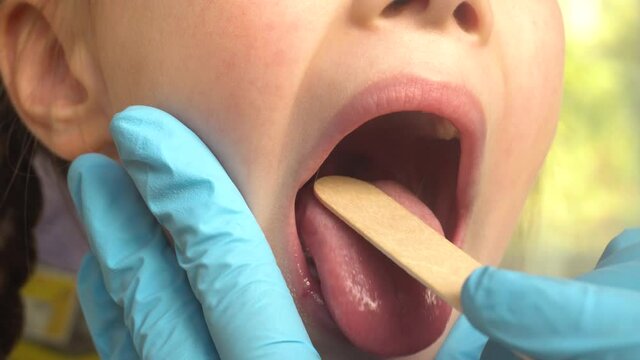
419 141
419 151
414 157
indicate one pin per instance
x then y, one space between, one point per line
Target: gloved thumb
550 318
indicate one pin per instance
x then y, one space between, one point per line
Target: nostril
467 17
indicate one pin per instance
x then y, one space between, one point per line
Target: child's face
262 81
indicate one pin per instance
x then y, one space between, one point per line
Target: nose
474 18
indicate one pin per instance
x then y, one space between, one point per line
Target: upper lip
452 102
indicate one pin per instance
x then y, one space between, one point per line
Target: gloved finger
624 248
139 268
248 307
618 263
464 342
552 318
104 317
495 351
623 276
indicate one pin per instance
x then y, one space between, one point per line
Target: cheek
531 41
231 82
229 70
535 59
235 57
532 46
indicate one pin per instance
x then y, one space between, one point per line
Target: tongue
376 304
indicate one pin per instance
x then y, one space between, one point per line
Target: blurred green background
589 188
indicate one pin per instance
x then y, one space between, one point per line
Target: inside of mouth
420 151
414 158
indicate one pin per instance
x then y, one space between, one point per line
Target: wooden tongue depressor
422 252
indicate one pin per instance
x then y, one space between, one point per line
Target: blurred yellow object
54 327
31 351
51 306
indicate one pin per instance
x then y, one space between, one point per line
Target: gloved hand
219 293
596 316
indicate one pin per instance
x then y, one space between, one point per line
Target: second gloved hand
596 316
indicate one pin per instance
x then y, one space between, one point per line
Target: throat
402 149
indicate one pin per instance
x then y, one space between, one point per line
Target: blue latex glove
596 316
220 285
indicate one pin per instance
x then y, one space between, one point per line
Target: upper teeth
445 130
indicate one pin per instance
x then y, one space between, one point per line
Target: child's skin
259 81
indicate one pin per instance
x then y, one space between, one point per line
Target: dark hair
20 205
